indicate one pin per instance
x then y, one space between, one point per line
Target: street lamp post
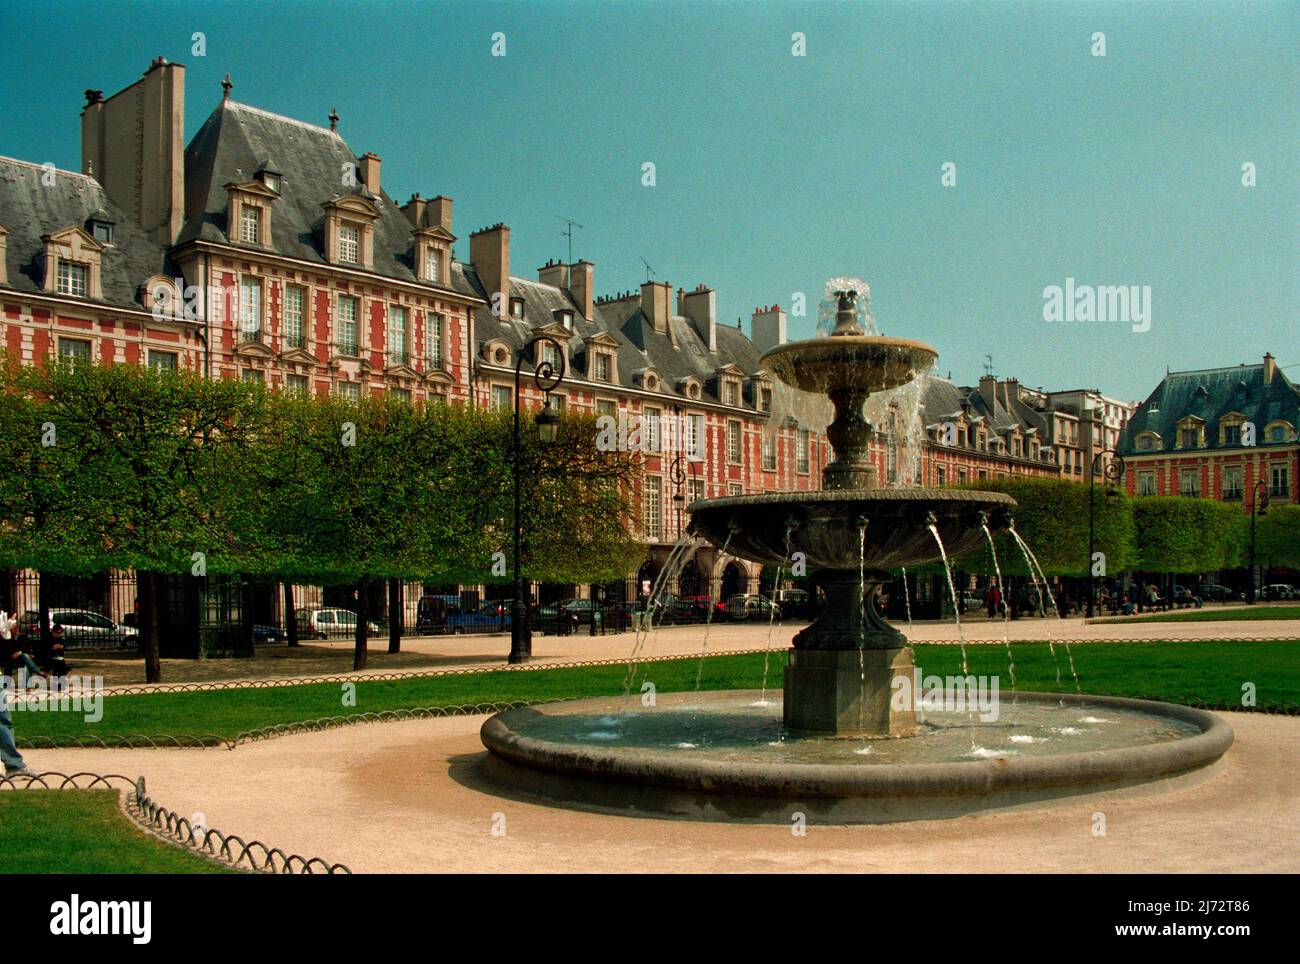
1258 507
546 378
1112 471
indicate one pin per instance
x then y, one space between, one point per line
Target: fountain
854 741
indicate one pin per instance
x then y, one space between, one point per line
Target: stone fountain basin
684 781
871 363
826 525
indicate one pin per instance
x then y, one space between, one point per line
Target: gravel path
404 797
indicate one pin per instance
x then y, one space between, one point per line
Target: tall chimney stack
370 162
1270 368
768 328
656 302
582 286
554 273
134 145
440 213
701 306
489 251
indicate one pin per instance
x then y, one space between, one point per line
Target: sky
774 171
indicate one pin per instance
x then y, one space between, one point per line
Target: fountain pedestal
849 692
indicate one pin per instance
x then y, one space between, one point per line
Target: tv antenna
648 270
568 232
988 364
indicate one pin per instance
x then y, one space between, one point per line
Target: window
517 308
735 488
501 396
163 361
1232 483
1189 482
961 475
349 244
250 308
550 355
350 390
1232 435
651 430
1279 487
402 394
1146 483
73 278
769 452
1277 434
347 327
653 506
1189 438
765 400
433 340
555 403
397 350
250 224
296 385
694 430
272 181
731 393
734 451
695 490
103 232
605 406
432 265
602 367
253 376
941 476
293 301
74 349
801 451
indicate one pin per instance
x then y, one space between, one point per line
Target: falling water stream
708 620
1032 562
771 617
961 635
1006 610
672 567
907 600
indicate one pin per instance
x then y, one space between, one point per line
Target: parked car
82 629
1279 590
451 613
327 623
698 609
752 607
793 603
1219 594
268 634
583 609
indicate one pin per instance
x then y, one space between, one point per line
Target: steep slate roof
639 345
236 141
29 209
1211 394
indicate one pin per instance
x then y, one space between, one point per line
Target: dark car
268 634
583 610
1219 594
698 609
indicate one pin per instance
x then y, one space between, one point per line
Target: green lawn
1192 672
84 832
1216 615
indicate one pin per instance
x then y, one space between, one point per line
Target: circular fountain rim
1022 778
839 342
917 494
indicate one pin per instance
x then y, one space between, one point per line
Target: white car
82 629
330 623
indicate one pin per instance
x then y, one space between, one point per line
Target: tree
1176 534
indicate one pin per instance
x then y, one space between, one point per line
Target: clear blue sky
775 172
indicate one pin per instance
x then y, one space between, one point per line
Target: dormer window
349 244
433 265
565 317
73 279
731 393
272 181
250 224
602 368
102 231
517 308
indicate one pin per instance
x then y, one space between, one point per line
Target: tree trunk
359 655
147 586
394 615
290 623
44 636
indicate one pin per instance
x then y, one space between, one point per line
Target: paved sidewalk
334 658
405 797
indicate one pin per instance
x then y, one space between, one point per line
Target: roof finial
226 86
334 119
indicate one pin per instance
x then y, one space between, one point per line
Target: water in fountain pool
735 728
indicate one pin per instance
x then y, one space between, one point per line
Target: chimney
656 302
701 306
134 145
768 328
1270 368
582 286
414 210
4 271
489 252
440 213
554 273
989 391
370 172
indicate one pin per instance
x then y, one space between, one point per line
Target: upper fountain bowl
866 363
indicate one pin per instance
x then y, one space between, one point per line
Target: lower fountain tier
848 693
848 529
